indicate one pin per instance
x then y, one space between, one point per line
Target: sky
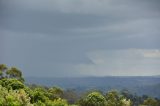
77 38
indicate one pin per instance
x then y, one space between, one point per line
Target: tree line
15 92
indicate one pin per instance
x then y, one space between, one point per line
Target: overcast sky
63 38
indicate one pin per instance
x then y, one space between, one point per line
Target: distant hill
139 85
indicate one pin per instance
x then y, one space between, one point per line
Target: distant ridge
136 84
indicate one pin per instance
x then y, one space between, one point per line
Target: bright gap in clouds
129 62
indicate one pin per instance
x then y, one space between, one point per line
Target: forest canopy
15 92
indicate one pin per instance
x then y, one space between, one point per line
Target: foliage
93 99
57 102
55 93
115 99
13 92
38 94
14 97
11 84
12 72
3 69
150 102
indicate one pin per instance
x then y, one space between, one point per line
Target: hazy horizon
68 38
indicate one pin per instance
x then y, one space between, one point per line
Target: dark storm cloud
19 17
49 23
59 34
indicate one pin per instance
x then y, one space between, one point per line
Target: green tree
11 84
14 97
39 103
55 93
93 99
57 102
150 102
3 69
113 98
13 72
39 94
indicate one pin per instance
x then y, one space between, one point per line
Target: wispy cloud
151 53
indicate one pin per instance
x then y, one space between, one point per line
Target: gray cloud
58 17
58 34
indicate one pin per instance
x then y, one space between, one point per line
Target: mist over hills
148 85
